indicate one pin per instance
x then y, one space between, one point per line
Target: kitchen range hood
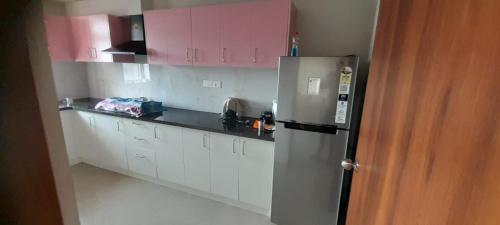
134 50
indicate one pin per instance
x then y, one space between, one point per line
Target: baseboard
186 189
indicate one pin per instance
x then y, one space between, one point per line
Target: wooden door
271 24
81 38
224 163
236 35
429 144
196 146
256 172
205 23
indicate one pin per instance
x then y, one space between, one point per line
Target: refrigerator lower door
307 176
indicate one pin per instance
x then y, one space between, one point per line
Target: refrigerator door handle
327 129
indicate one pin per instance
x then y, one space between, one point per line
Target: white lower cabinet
196 146
224 165
256 172
169 153
110 143
67 122
86 141
141 161
234 167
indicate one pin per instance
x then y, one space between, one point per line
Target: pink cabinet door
81 38
100 37
59 38
168 36
271 24
157 47
236 35
205 26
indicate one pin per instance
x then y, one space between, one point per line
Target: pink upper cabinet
81 38
168 36
59 38
100 36
236 35
157 47
93 34
271 23
205 26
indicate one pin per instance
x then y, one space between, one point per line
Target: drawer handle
137 124
234 143
140 156
204 141
139 139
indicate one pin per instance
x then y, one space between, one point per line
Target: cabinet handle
139 139
234 149
90 121
187 55
255 55
95 53
155 135
140 156
204 141
137 124
195 54
118 126
223 55
90 53
243 148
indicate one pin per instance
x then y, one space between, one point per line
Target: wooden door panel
429 140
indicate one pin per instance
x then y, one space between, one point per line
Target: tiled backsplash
182 87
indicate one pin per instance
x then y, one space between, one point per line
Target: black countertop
179 117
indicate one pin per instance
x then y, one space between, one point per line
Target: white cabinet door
67 122
224 163
110 142
141 161
256 172
86 138
169 154
196 145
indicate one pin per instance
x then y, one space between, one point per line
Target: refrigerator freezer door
307 176
308 90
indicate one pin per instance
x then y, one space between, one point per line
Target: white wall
70 79
113 7
181 87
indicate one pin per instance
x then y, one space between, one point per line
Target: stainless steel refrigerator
316 121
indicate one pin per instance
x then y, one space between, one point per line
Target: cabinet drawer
139 129
141 161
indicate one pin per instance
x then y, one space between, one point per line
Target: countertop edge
244 135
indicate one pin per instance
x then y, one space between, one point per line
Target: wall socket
212 83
